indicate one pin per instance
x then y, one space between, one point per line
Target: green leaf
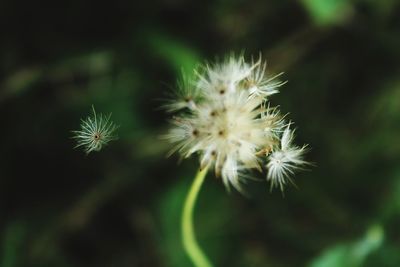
176 53
328 12
352 254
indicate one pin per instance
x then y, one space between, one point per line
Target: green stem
190 244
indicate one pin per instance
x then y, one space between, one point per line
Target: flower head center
97 136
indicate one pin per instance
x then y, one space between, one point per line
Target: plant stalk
189 240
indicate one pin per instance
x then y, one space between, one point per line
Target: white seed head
225 117
96 132
284 160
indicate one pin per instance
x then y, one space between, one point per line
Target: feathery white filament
284 160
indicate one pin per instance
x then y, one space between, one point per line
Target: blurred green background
121 207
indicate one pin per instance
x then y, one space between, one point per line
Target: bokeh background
121 207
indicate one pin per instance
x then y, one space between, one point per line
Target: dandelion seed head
96 132
230 123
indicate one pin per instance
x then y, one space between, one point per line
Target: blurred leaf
328 12
176 53
170 210
12 244
353 254
385 106
388 256
390 206
19 82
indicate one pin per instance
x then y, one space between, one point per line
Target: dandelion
226 119
224 116
96 132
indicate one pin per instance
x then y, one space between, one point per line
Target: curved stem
190 244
